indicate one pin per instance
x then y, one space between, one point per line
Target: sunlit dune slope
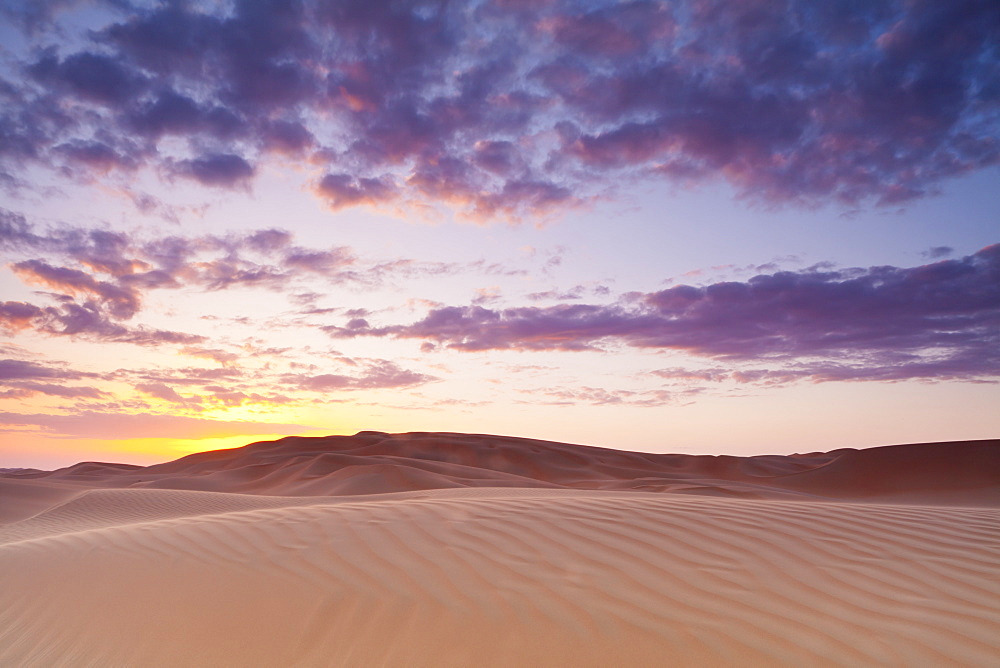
497 577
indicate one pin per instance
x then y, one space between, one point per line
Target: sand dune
964 473
449 549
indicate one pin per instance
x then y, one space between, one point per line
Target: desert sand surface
441 549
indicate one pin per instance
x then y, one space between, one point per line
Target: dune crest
457 550
955 473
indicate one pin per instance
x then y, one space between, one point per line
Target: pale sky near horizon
708 226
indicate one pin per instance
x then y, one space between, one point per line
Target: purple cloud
327 262
165 392
506 113
186 376
216 169
343 190
121 302
15 316
938 252
378 374
940 320
11 369
22 378
111 425
86 320
91 76
115 270
27 389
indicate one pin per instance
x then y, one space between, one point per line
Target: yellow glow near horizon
142 451
173 448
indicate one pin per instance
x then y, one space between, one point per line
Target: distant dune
438 549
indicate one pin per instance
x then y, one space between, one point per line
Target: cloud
115 426
11 369
15 316
504 113
223 357
85 320
377 374
344 190
186 376
27 389
325 262
597 396
115 270
938 252
216 169
22 378
164 392
121 302
228 397
940 320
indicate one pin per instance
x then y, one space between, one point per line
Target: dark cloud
90 76
940 320
36 15
216 169
504 113
290 138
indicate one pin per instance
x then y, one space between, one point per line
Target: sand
472 550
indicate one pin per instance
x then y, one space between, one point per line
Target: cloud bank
940 320
506 109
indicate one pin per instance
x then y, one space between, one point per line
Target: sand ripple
497 577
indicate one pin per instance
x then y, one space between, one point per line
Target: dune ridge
963 473
730 561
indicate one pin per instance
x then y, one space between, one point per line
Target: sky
701 226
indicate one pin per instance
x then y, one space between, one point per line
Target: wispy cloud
109 425
86 320
375 374
98 279
22 379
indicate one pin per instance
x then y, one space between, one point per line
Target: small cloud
223 170
377 374
164 392
343 190
938 252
